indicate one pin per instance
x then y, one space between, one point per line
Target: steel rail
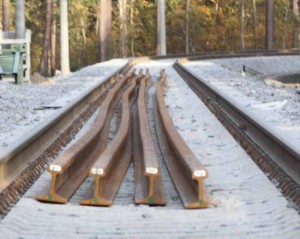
111 166
70 169
186 171
220 54
148 181
23 162
269 148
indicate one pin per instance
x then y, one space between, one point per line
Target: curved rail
266 143
148 181
111 166
187 173
72 166
23 162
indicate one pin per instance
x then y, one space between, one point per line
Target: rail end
97 171
55 168
151 171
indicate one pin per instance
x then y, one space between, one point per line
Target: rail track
26 160
277 157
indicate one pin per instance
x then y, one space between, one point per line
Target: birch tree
161 48
64 38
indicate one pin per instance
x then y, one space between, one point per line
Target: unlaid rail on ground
111 166
186 171
148 181
279 158
23 162
70 169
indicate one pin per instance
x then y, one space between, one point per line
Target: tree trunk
105 28
123 21
269 24
6 15
20 19
187 27
45 51
132 27
64 38
83 33
295 28
161 48
255 24
243 24
284 27
53 39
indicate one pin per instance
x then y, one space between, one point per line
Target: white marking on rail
151 170
200 173
55 168
97 171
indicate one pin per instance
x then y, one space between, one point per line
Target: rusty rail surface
187 173
276 156
70 169
23 162
111 166
223 54
148 181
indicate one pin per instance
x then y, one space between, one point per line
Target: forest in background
191 25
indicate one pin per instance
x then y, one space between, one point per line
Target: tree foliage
215 25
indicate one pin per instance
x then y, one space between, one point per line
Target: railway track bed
249 205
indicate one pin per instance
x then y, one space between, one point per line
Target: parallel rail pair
276 156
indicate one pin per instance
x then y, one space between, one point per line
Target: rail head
104 163
150 162
67 158
190 161
187 172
